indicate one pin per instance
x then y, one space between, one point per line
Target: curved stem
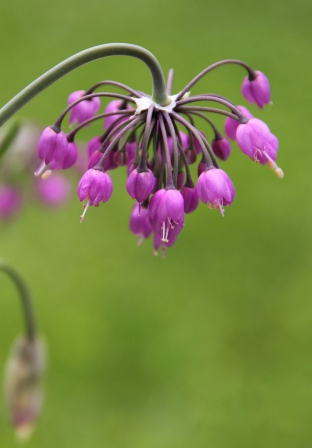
251 73
205 147
159 94
25 298
213 98
113 83
214 127
191 109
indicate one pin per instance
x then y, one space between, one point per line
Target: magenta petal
46 144
60 147
190 198
95 186
260 89
216 187
247 91
222 148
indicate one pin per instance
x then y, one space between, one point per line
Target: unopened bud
22 386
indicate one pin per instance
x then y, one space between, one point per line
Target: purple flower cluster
157 144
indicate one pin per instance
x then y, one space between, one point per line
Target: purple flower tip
85 109
257 90
190 198
221 147
215 186
140 184
94 186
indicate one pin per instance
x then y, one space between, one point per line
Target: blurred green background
212 346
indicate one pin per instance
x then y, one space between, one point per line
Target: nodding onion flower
155 137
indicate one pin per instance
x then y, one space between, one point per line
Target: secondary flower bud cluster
23 388
157 145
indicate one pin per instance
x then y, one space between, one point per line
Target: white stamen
163 232
84 211
274 166
168 228
41 169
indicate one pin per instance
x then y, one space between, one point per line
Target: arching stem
159 94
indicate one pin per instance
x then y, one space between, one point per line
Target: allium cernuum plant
154 139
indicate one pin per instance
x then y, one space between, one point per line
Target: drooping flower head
155 137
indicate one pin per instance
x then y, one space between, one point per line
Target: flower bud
221 148
191 199
140 184
85 109
257 90
23 389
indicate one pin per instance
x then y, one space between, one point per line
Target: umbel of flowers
155 138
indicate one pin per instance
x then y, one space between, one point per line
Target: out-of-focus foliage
212 346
